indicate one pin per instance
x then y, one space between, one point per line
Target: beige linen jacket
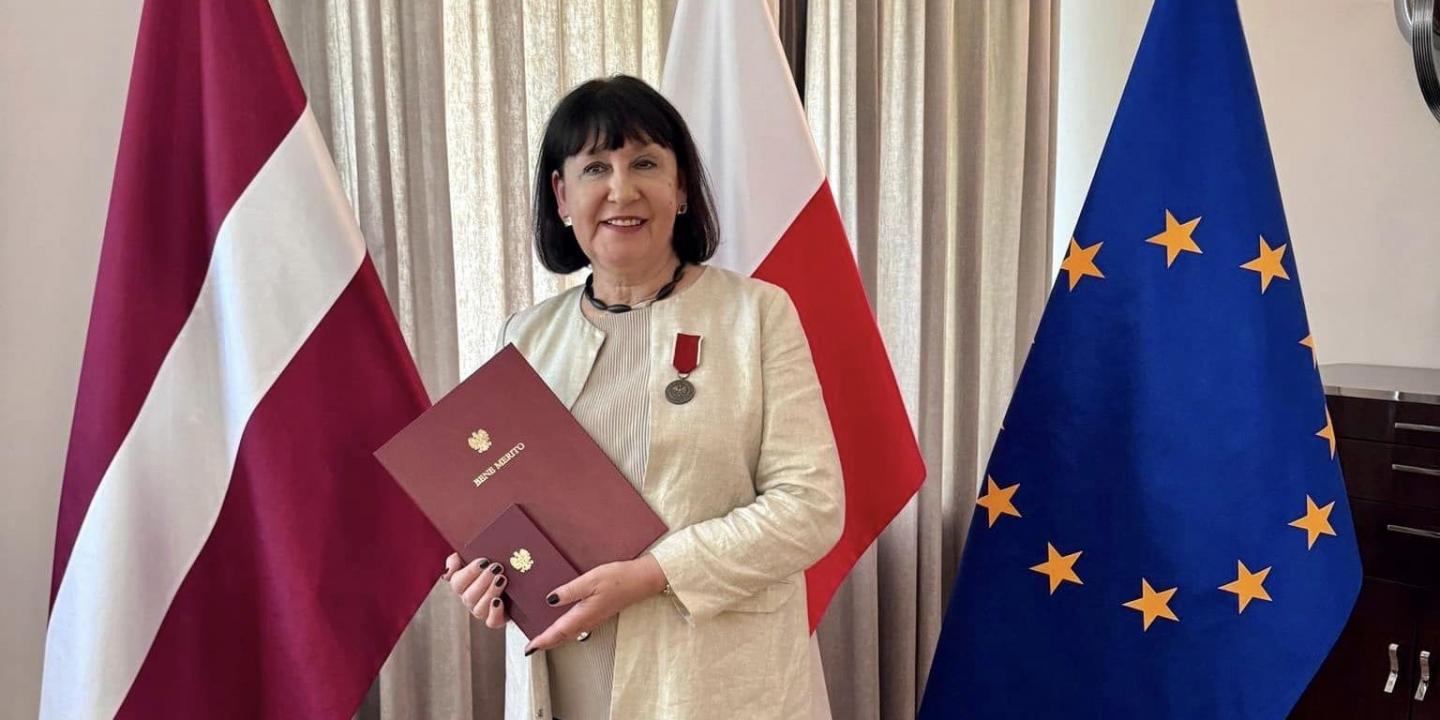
747 479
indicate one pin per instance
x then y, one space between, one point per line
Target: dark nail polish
554 599
482 562
500 581
530 652
496 568
495 603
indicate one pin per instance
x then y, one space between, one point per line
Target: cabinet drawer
1406 423
1398 543
1401 474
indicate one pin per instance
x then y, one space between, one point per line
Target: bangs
606 120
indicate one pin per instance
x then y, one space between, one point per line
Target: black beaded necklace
661 294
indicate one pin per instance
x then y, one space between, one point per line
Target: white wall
1356 151
64 67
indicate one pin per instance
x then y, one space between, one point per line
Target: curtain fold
936 124
374 74
935 121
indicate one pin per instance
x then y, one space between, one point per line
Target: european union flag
1163 530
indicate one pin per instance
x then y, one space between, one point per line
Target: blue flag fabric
1163 530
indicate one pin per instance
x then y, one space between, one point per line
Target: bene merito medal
687 358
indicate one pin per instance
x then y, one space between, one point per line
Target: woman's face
622 204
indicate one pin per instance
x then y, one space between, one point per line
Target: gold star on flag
1316 521
1268 264
998 501
1309 342
1080 262
1153 604
1247 585
1176 238
1059 568
1328 432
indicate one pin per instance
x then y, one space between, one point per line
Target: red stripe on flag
318 559
882 464
212 94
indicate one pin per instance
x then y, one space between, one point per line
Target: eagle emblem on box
522 561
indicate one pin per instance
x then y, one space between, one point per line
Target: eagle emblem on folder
480 441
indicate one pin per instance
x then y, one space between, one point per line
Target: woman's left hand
597 596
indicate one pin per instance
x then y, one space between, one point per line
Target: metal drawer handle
1424 683
1417 532
1394 668
1417 427
1397 467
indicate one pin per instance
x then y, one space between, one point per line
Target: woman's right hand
479 585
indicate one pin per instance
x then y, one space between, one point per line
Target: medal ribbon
687 353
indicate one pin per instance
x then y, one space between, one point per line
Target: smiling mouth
624 222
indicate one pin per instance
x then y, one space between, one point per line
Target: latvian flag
226 545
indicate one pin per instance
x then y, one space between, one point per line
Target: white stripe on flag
763 172
283 255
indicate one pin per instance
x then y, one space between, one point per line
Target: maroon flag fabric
226 544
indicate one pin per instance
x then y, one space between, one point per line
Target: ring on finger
583 636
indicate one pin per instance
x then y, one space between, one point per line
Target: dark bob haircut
603 114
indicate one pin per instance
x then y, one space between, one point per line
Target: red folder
502 438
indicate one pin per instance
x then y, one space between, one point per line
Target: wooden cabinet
1387 424
1351 683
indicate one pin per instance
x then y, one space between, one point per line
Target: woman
735 454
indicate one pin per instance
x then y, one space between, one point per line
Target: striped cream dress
614 409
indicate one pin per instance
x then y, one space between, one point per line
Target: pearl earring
683 208
566 220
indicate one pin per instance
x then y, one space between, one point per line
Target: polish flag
726 73
226 544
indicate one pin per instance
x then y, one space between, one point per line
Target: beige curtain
935 120
936 123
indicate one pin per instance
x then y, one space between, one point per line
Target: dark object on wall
1418 24
794 18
